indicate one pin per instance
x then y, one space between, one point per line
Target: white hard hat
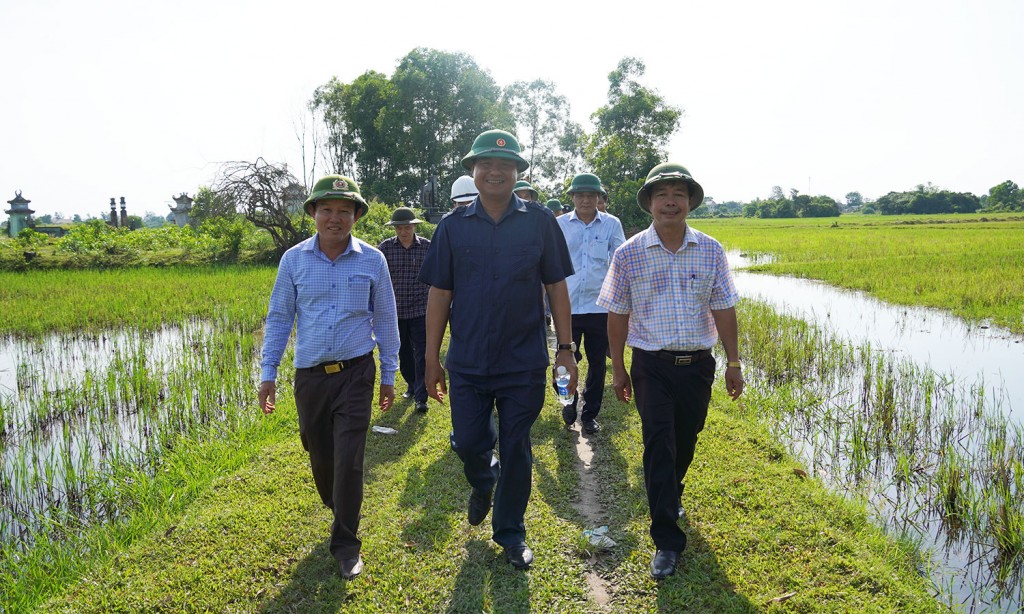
464 190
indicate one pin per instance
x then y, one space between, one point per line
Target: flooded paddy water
79 410
918 412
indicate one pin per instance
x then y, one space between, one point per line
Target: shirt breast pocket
598 250
524 263
357 296
697 293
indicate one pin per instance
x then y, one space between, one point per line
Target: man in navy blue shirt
488 266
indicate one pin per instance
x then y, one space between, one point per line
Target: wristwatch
567 346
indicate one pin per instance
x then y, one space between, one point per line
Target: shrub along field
971 264
228 519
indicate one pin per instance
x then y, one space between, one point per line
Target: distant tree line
926 199
1006 196
797 205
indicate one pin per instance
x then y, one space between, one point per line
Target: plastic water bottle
562 385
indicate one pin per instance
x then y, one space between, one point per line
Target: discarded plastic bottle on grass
562 385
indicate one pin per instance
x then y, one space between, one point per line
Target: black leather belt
679 359
335 366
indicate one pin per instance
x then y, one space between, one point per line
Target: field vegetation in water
971 265
103 374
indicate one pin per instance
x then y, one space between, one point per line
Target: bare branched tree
308 134
260 190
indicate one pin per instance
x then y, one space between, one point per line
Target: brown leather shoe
351 568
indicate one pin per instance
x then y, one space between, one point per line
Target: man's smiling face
670 203
495 178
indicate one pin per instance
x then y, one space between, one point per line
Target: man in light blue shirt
592 237
336 291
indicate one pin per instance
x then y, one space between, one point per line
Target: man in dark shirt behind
486 266
405 253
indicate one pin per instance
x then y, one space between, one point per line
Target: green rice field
971 265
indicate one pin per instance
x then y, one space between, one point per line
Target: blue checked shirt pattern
591 247
340 309
669 296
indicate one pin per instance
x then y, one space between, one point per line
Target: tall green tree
630 137
1006 196
394 133
356 144
443 101
549 137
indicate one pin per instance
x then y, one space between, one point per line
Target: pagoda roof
18 199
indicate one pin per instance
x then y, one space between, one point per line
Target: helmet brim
355 197
643 195
471 158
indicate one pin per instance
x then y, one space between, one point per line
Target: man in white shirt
592 237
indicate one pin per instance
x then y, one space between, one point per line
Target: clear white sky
145 99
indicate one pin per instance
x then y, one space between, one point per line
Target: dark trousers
334 414
518 398
673 405
592 329
411 362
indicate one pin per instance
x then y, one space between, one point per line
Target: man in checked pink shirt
670 297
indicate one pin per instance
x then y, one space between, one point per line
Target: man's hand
734 382
621 384
433 379
267 396
565 358
387 396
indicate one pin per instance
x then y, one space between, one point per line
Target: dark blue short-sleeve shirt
496 272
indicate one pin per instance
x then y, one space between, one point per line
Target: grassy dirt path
762 537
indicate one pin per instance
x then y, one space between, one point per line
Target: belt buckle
333 368
682 361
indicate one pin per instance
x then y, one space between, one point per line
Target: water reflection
946 343
913 409
77 409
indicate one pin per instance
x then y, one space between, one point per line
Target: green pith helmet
403 215
495 144
586 182
555 205
336 186
525 185
669 171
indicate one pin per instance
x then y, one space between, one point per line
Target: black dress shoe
479 505
351 568
421 407
407 394
591 426
519 555
663 564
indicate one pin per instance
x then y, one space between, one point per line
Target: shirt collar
314 245
575 218
516 203
650 238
